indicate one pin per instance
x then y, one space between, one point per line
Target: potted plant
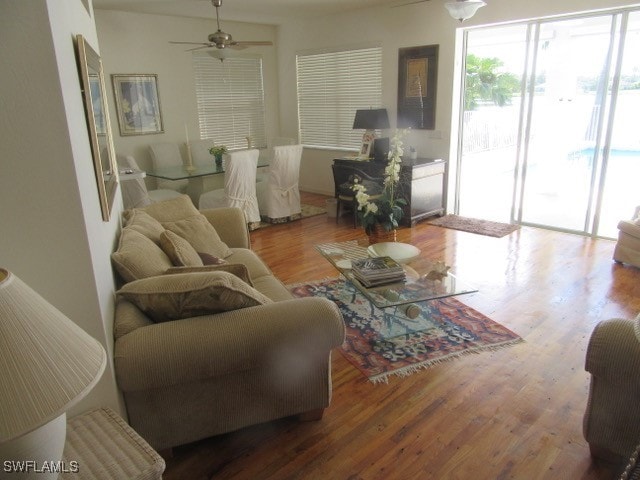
217 152
380 214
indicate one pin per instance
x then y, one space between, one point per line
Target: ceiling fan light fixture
220 53
464 9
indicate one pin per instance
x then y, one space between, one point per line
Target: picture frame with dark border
417 85
137 103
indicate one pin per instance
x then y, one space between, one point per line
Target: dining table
202 178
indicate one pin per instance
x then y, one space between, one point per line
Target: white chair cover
167 155
134 191
239 185
200 151
280 195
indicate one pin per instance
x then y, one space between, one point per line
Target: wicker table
101 446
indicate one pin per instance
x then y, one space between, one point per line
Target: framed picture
417 82
367 144
98 126
137 104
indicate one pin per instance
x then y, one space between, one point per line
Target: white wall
425 23
53 236
139 43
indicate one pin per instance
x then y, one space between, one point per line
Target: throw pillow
172 210
172 297
181 253
138 257
144 223
238 269
200 234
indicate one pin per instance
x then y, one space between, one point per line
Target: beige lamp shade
47 362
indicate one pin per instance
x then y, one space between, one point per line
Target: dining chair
134 191
200 151
165 155
239 186
279 195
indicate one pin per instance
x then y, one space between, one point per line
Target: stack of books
375 271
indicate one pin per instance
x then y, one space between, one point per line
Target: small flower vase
218 160
379 234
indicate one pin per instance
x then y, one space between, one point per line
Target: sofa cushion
138 257
238 269
181 253
171 210
173 297
144 223
200 234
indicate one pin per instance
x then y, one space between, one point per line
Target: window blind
331 87
230 98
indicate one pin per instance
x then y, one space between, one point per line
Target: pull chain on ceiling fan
222 40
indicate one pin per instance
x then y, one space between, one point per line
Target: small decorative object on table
438 271
380 215
217 152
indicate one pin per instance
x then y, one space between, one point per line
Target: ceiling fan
221 39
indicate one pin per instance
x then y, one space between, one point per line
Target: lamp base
37 454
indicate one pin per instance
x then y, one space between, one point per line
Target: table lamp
47 364
370 120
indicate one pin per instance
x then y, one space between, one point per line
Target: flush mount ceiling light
464 9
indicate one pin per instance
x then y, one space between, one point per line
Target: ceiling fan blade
194 43
199 48
250 43
404 4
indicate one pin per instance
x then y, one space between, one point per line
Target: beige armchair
628 247
612 418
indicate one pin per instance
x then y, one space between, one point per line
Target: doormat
306 211
474 225
452 329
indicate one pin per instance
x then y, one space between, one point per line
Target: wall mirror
95 103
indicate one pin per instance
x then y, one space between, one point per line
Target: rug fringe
411 369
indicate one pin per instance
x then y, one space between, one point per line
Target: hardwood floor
512 413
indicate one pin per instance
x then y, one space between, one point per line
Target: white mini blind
331 87
230 96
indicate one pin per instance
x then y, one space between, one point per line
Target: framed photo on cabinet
417 82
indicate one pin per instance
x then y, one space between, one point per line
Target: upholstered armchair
628 247
612 418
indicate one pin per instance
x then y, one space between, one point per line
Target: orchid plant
384 209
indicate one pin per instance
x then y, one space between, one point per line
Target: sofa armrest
614 352
283 336
231 225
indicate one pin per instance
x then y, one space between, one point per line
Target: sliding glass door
547 128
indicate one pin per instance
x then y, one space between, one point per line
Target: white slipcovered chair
200 151
134 191
628 247
165 155
279 195
239 186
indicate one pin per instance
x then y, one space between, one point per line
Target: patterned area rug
474 225
451 329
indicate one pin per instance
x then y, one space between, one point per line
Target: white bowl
400 252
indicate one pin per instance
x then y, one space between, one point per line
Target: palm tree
485 83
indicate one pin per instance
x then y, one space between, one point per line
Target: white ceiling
272 12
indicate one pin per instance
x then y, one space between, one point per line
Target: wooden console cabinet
423 184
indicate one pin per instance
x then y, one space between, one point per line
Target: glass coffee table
400 301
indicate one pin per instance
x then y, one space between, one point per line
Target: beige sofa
628 246
612 416
204 350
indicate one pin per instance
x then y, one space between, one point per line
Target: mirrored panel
95 102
